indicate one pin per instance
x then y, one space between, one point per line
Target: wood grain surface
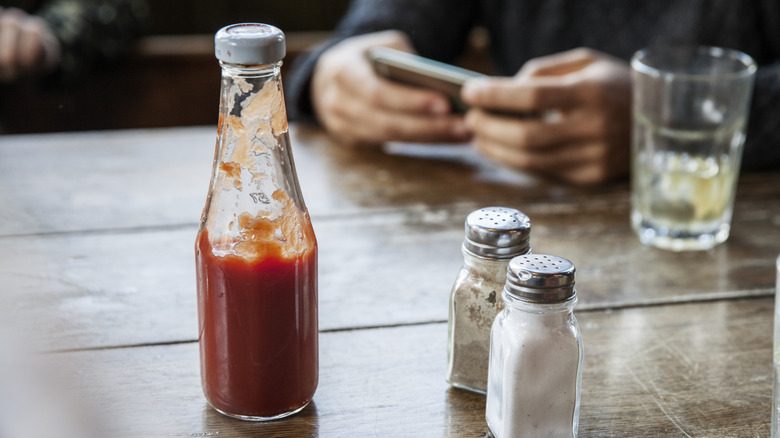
97 268
686 370
127 287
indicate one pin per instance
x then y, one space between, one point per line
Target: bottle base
259 419
679 241
467 387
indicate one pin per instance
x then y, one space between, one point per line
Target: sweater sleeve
438 29
762 144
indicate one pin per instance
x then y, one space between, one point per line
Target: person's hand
576 116
359 107
27 45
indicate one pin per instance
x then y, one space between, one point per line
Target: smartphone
416 70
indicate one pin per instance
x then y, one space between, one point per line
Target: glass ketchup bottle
256 253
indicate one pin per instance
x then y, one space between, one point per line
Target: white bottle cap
249 44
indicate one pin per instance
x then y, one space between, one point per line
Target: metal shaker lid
540 278
249 44
497 232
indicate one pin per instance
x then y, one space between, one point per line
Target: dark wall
171 78
207 16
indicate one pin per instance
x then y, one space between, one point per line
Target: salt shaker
493 236
535 352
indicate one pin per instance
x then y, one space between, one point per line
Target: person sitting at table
563 55
60 40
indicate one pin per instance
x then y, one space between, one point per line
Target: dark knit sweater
523 29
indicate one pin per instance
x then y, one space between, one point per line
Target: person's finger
582 163
392 39
376 124
354 119
530 95
558 64
9 35
590 163
390 95
524 132
546 160
30 49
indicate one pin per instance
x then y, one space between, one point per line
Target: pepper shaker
493 236
536 352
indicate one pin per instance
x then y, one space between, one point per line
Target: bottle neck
254 174
558 308
251 71
489 268
539 316
253 92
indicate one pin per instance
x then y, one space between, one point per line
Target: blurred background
169 77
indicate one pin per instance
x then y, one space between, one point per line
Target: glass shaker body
535 370
775 429
493 236
474 303
256 258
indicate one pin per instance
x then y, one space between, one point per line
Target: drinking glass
690 110
776 360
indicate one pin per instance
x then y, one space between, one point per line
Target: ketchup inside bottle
258 327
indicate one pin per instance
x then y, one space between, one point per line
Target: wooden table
97 233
